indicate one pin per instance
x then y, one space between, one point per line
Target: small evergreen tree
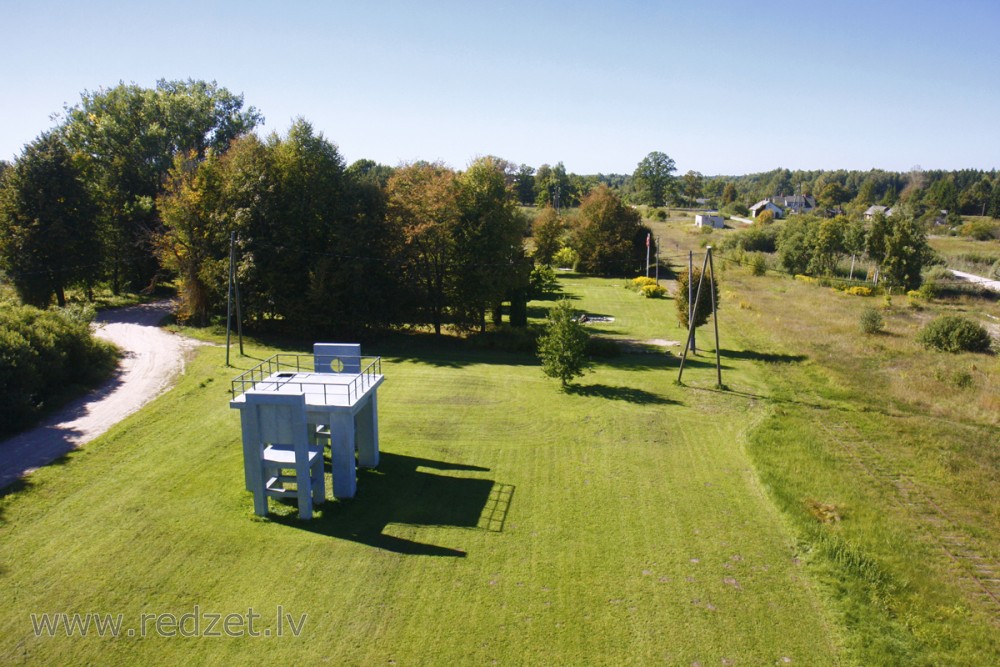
563 346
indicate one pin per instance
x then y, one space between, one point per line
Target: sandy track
152 359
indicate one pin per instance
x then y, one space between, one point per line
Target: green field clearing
630 521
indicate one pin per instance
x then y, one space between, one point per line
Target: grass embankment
885 457
508 522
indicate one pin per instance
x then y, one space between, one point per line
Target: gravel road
152 359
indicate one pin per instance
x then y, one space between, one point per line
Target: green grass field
789 520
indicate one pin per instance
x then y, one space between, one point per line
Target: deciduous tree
562 347
548 230
609 237
422 202
48 233
654 178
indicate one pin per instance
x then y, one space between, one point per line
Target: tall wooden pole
229 296
657 260
715 318
680 372
239 316
691 341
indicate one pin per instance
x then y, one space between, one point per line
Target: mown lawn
508 523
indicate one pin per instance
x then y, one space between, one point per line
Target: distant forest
138 186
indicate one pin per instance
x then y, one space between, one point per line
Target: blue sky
723 87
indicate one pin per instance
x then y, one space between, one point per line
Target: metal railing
282 369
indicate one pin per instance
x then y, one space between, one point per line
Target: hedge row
46 356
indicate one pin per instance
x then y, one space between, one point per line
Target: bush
653 291
952 333
642 281
42 354
543 281
566 258
871 321
757 263
859 290
981 230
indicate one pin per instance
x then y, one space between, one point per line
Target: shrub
757 263
859 290
543 281
981 230
566 258
871 321
642 281
653 291
42 353
952 333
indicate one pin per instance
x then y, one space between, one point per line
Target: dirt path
979 280
152 359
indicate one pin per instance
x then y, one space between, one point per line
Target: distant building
781 206
708 220
875 210
766 205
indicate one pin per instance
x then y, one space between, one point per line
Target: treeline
964 192
895 246
136 185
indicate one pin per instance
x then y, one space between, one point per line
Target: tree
654 178
832 195
548 230
906 252
795 244
423 205
195 236
524 185
729 194
48 234
552 186
562 347
488 242
128 136
609 237
994 203
827 246
692 184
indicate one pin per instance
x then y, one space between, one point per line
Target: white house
709 220
779 206
875 210
766 205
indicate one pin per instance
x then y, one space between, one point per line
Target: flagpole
647 254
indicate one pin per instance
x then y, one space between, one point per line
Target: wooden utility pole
680 372
229 295
691 341
233 286
657 260
715 318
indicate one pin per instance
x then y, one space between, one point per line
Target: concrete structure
276 439
342 406
709 220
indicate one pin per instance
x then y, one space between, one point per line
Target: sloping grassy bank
885 465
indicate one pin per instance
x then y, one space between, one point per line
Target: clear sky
722 86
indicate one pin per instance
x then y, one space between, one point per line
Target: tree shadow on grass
627 394
766 357
403 491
